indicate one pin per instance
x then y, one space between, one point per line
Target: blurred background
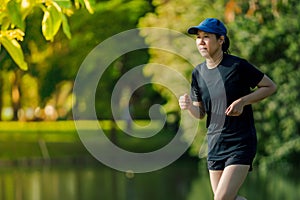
42 47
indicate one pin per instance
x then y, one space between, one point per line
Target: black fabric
217 88
233 160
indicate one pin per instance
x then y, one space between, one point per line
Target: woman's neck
215 60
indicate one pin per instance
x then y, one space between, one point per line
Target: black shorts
232 160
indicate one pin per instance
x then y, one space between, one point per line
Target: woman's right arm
196 109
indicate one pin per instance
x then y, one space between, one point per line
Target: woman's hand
236 108
266 87
196 109
185 102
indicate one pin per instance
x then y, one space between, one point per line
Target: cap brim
193 30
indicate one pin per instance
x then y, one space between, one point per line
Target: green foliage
14 13
54 63
13 16
109 18
51 22
14 49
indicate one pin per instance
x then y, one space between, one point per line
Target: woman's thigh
215 176
231 180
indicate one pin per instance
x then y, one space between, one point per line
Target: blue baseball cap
209 25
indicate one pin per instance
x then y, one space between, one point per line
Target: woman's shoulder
232 60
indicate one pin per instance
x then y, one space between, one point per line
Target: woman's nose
200 41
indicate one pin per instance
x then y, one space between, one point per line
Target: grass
56 140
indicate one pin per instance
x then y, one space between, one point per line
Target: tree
54 65
109 18
14 24
13 17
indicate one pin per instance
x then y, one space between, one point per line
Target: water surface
183 180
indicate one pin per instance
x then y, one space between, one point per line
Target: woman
221 89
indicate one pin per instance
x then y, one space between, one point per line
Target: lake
185 179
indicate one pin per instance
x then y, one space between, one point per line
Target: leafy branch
55 16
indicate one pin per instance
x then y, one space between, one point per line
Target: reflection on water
183 180
91 181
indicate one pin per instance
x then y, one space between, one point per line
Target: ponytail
225 45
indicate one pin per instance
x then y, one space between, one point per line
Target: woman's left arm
266 87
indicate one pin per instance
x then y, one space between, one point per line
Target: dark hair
225 45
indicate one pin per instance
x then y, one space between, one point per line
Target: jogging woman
223 89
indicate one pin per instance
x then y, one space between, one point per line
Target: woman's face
208 44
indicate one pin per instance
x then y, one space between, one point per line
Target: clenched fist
185 102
